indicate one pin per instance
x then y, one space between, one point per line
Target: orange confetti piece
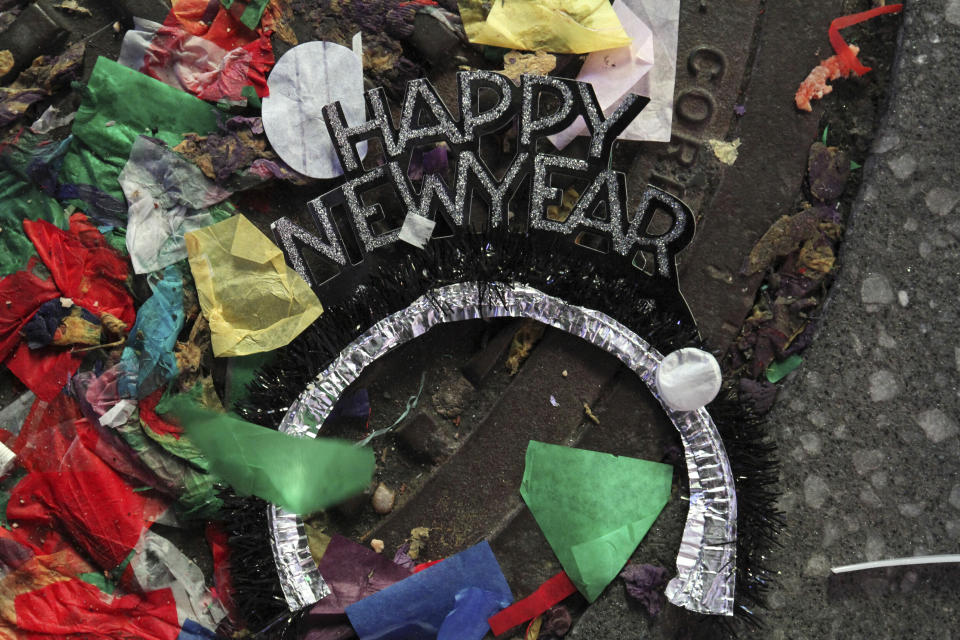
841 65
815 85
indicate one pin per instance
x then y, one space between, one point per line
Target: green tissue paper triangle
594 508
303 475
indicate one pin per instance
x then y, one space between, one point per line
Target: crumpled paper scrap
158 564
449 600
655 122
26 293
353 572
303 475
307 78
662 18
51 119
22 200
515 64
594 508
167 196
614 73
71 486
214 23
6 61
119 105
557 26
237 156
148 355
253 301
194 491
645 583
194 64
42 591
52 610
726 152
84 267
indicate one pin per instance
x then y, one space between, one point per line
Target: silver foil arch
706 561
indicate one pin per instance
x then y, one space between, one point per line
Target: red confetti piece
842 49
557 588
21 293
149 417
84 267
75 607
220 549
426 565
70 490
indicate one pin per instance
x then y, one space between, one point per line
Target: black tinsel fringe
256 589
548 263
756 471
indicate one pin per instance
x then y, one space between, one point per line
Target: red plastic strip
839 44
426 565
548 594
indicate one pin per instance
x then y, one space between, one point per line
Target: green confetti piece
593 508
250 94
120 104
252 10
303 475
22 201
854 165
779 370
824 138
118 570
99 581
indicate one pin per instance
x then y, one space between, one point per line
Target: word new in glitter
348 226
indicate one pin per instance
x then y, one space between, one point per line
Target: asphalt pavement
868 426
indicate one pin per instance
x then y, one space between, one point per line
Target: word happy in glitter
345 232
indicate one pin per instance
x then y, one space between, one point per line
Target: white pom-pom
688 379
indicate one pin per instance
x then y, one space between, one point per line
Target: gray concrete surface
868 426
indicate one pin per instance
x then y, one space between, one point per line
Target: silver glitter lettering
288 235
347 137
409 132
611 182
434 188
496 194
361 213
469 119
541 191
530 124
660 244
605 131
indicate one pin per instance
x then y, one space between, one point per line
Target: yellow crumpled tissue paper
557 26
253 301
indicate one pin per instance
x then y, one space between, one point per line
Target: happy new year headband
385 293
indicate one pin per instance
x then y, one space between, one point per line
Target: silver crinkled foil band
706 560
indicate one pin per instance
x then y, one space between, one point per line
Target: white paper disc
688 379
308 77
